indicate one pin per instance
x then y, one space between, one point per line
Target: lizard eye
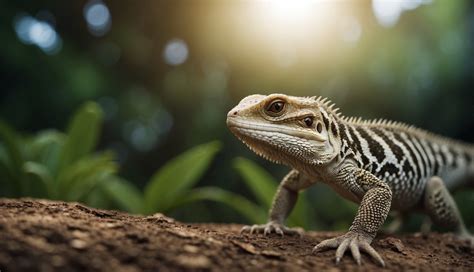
308 121
275 107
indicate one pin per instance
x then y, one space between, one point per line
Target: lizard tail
462 166
469 157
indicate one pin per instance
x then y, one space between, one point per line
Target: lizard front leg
373 211
283 202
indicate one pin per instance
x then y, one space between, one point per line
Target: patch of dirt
39 235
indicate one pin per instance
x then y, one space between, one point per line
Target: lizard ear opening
319 127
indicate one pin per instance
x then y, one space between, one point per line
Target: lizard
379 164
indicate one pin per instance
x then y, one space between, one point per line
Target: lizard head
285 129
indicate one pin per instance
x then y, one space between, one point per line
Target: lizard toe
327 244
245 229
271 227
367 248
268 229
279 231
341 249
255 229
355 252
355 242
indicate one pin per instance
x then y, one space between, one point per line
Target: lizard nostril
235 113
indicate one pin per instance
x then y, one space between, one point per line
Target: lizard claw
271 227
355 242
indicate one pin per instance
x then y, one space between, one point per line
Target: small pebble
194 262
191 248
78 244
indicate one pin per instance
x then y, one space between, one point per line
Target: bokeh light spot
22 26
42 34
388 12
98 17
32 31
175 52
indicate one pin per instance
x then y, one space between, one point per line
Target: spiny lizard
379 164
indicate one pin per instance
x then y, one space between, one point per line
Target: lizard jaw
260 139
236 125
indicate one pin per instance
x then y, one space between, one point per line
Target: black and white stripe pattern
403 156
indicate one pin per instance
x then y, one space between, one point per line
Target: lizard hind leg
397 223
442 210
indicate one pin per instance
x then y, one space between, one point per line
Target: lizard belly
407 194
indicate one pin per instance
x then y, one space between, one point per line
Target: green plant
171 187
55 165
63 166
263 186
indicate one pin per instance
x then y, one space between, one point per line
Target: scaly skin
379 164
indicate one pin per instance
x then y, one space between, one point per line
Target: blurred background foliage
161 75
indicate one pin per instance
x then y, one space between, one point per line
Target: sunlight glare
290 11
293 20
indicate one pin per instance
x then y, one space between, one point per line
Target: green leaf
79 178
258 180
38 180
264 187
10 141
301 215
89 183
98 199
124 194
82 134
252 212
172 180
45 148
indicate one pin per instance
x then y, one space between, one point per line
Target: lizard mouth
239 126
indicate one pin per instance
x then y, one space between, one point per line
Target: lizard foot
355 242
270 227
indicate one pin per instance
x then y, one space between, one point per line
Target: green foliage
264 186
56 165
10 161
170 186
249 210
125 195
259 181
83 132
11 148
177 176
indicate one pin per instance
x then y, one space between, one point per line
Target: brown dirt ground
39 235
